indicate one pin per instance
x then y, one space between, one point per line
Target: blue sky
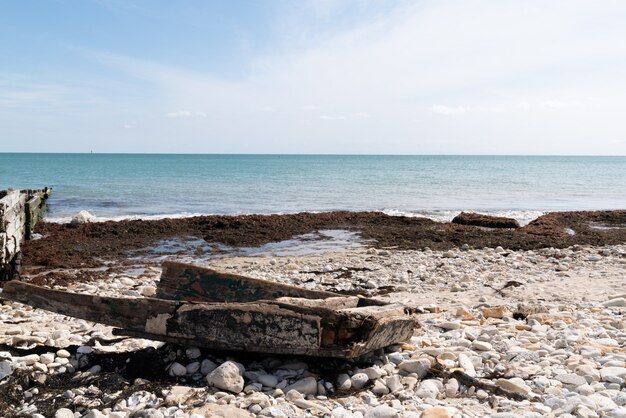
325 76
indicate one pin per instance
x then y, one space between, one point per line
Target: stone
149 413
451 388
63 354
63 413
149 291
420 366
380 388
466 364
487 221
343 382
193 368
571 379
6 369
615 303
94 413
449 325
498 312
82 217
428 389
607 372
267 380
436 412
207 366
393 383
306 386
192 353
382 411
227 377
178 395
177 370
359 380
481 345
514 385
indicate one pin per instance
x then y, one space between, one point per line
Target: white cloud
129 125
458 110
361 115
186 114
399 64
266 109
564 104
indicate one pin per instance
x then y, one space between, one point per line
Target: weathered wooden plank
248 327
117 312
192 283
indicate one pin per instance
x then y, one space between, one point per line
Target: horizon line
313 154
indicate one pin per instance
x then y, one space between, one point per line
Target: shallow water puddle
194 249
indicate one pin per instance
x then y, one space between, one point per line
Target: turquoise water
144 185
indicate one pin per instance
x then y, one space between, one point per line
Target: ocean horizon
151 186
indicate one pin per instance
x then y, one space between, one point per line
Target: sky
314 76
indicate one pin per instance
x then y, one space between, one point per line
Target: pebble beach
501 333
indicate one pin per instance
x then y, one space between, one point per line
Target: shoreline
99 244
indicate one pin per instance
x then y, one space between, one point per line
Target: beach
534 315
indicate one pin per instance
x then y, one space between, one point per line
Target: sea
153 186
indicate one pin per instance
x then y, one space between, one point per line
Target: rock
571 379
268 380
178 395
436 412
496 312
192 353
207 366
452 388
393 383
380 388
149 413
227 377
607 372
94 413
222 411
82 217
177 370
382 411
420 366
476 219
148 291
343 382
515 385
449 325
467 365
64 413
481 345
63 354
6 369
428 389
359 380
193 368
615 303
306 386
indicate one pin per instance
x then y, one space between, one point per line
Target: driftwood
469 381
206 308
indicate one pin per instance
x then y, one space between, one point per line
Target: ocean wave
522 216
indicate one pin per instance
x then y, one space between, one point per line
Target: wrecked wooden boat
205 308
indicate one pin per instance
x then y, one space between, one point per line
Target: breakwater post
20 210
